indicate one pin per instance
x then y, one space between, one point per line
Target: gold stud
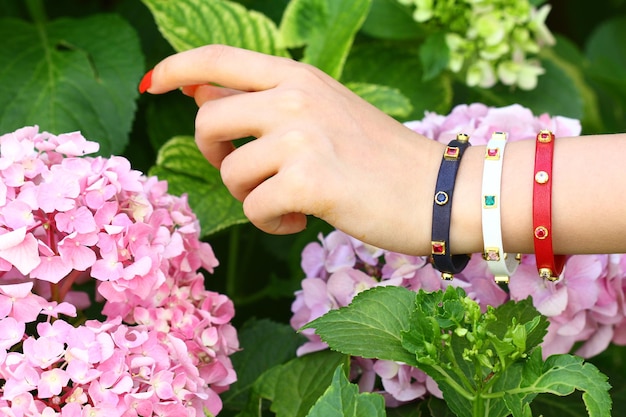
545 136
446 276
462 137
546 273
501 279
498 135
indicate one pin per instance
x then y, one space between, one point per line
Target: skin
323 151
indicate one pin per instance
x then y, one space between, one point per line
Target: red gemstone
492 152
545 136
439 248
492 255
541 232
452 152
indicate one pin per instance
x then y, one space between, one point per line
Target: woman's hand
320 149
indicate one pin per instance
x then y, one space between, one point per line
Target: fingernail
190 90
146 82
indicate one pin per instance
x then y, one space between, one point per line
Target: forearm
588 197
325 152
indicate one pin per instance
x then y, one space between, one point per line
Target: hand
321 150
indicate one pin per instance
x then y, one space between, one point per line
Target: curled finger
228 66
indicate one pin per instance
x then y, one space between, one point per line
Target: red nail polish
146 82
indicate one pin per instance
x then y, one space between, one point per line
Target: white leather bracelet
501 264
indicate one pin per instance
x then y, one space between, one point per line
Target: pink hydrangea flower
480 121
164 343
586 307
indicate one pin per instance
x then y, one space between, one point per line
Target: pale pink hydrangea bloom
586 307
480 121
163 344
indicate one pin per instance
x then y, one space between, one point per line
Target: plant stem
37 11
66 284
450 381
478 407
54 293
457 370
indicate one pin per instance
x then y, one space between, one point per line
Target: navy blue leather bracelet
441 257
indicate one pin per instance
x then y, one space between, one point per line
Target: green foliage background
70 65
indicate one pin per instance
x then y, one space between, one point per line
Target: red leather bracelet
548 265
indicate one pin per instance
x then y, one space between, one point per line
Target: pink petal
597 343
17 290
107 268
74 144
554 304
52 269
140 268
20 250
77 255
12 238
11 332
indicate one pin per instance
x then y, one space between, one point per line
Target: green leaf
294 387
439 351
606 58
342 399
326 28
565 373
188 24
549 405
264 344
273 9
439 408
522 312
371 325
568 58
612 362
562 375
65 76
187 171
388 99
169 115
398 66
434 54
388 19
424 329
490 363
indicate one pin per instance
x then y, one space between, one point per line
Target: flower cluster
337 269
489 40
586 306
103 308
480 122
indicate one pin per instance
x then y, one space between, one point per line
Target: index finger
228 66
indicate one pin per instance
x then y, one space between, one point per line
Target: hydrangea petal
20 249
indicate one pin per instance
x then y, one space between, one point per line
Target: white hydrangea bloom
489 40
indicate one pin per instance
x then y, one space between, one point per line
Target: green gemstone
490 200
